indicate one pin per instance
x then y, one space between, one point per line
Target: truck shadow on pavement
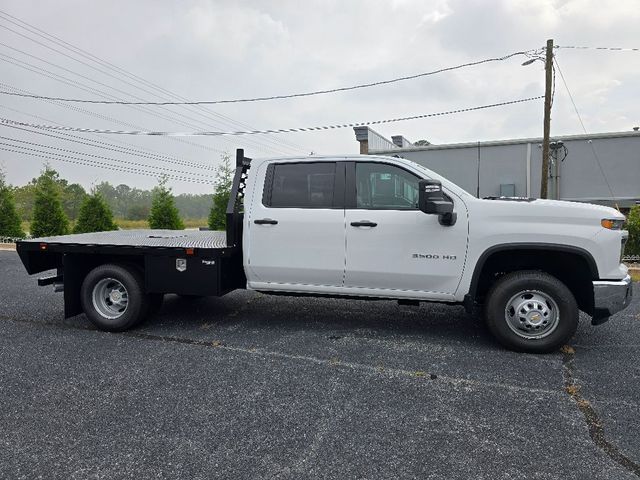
326 317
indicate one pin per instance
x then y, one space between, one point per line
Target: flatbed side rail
235 207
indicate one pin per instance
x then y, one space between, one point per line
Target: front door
296 229
391 245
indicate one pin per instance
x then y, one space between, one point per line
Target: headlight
612 223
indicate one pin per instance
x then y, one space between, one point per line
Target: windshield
433 175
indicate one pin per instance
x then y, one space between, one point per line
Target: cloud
227 49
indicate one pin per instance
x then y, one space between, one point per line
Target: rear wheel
113 299
531 311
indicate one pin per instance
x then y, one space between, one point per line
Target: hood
556 209
605 212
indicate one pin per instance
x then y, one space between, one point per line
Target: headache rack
235 207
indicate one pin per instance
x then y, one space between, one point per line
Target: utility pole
548 69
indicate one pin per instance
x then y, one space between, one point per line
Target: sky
218 50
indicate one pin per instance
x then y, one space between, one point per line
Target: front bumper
610 297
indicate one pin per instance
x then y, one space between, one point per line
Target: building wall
519 162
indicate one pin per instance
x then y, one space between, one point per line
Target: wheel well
77 266
573 268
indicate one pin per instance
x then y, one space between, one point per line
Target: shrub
633 225
10 225
48 217
95 215
164 213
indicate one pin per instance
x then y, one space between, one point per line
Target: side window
302 185
385 187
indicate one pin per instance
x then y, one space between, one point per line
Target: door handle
364 223
266 221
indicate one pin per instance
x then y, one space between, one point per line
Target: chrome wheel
110 298
532 314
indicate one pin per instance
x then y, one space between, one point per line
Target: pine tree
222 191
48 217
9 219
95 215
164 213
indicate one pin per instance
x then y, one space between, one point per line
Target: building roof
491 143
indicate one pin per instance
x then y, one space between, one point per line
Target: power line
75 84
108 146
593 149
614 49
103 117
88 143
82 86
277 97
83 53
92 163
263 132
75 152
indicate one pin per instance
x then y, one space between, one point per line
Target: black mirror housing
432 200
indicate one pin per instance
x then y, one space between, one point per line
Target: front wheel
113 299
531 311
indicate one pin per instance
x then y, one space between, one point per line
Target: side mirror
431 200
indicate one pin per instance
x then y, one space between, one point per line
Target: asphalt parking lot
253 386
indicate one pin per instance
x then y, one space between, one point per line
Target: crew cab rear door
297 229
393 247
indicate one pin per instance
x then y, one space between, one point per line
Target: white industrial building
600 168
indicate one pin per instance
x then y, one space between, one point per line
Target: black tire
190 297
551 300
114 277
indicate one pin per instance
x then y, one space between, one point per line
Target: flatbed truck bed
184 262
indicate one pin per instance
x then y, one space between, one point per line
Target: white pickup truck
363 227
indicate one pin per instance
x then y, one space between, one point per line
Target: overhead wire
270 131
590 142
79 85
103 117
88 55
92 163
60 78
136 164
615 49
83 53
278 97
93 145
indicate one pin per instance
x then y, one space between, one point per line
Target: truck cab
352 226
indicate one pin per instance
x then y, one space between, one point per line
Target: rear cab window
302 185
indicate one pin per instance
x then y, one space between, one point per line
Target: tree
9 219
73 196
95 215
48 216
25 197
222 191
422 143
633 225
164 213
